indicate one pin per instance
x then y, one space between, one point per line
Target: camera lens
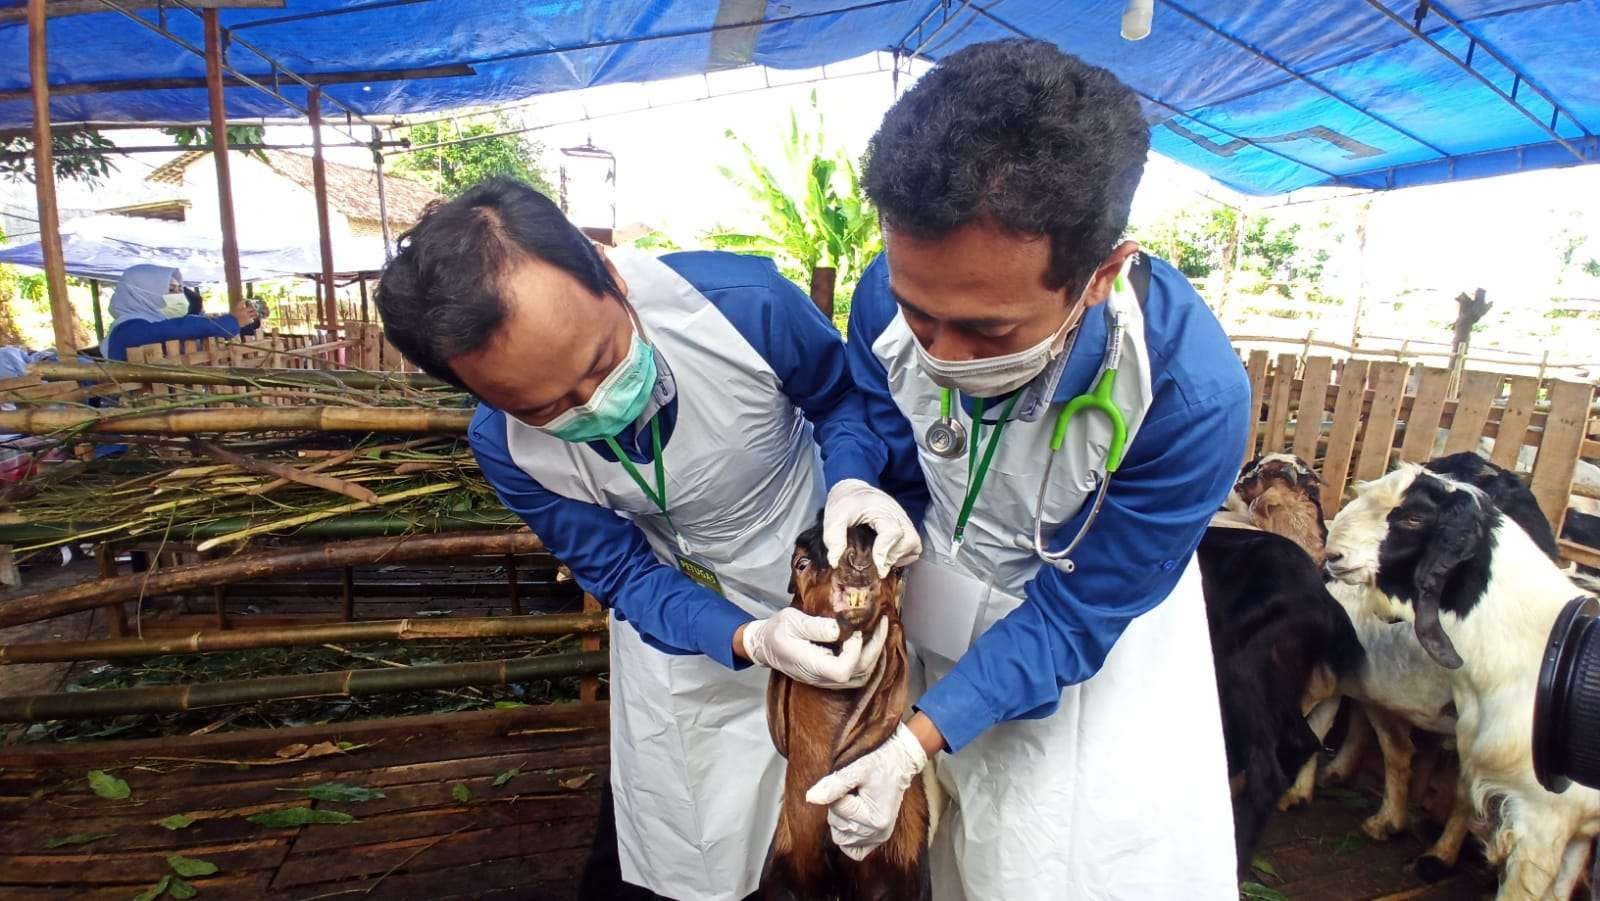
1566 709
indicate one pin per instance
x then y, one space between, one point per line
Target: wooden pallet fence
1354 418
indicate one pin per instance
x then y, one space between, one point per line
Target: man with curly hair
1075 701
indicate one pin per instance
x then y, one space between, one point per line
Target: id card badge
941 608
699 573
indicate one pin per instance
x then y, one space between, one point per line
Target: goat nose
1332 557
858 560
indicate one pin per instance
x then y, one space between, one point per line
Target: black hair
197 306
443 293
1021 134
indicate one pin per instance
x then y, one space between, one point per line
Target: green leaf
507 776
1258 892
175 822
301 816
1350 844
188 866
182 890
108 786
508 705
155 891
77 838
461 793
1264 867
338 791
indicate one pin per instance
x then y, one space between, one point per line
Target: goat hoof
1294 799
1378 827
1433 869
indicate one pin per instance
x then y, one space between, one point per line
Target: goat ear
1457 535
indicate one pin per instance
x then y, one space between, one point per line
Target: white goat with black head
1482 597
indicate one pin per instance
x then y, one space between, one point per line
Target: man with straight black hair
667 427
1057 611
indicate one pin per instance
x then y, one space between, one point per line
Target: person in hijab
150 307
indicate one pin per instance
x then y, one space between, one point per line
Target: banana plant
825 220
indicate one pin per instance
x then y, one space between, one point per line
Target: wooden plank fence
1383 412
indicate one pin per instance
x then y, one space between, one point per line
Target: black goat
1276 634
1510 496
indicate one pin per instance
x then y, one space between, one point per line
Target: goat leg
1441 859
1356 737
1572 866
1394 738
1320 714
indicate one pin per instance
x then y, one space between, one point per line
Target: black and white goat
1278 638
1482 596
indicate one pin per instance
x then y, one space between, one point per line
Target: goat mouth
852 599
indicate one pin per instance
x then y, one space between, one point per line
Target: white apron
696 778
1123 792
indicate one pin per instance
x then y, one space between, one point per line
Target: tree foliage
79 156
453 168
813 211
200 138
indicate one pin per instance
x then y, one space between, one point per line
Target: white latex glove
853 502
863 820
787 641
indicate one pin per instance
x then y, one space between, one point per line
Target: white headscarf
142 293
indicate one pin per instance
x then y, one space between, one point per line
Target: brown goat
819 731
1280 493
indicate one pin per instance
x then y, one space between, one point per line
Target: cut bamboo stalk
243 377
105 592
345 684
410 420
304 518
315 480
536 626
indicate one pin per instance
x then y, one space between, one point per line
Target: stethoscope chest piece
946 437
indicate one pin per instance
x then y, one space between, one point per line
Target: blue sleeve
871 310
610 558
804 350
1177 474
138 332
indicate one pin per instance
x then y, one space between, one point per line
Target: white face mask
177 305
994 376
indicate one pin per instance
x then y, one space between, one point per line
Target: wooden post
99 321
365 317
219 602
219 154
106 559
319 183
823 279
347 593
511 584
44 182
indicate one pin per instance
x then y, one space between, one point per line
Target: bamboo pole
104 592
319 184
44 183
345 684
314 479
239 376
407 420
99 318
219 155
357 525
546 626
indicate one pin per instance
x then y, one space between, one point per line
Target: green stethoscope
946 435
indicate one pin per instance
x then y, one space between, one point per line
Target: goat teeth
857 597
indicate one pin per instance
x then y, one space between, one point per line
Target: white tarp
101 247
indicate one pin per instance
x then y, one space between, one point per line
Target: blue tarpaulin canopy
1266 97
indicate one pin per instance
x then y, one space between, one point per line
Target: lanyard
659 495
978 469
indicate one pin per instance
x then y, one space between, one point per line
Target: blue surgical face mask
616 402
